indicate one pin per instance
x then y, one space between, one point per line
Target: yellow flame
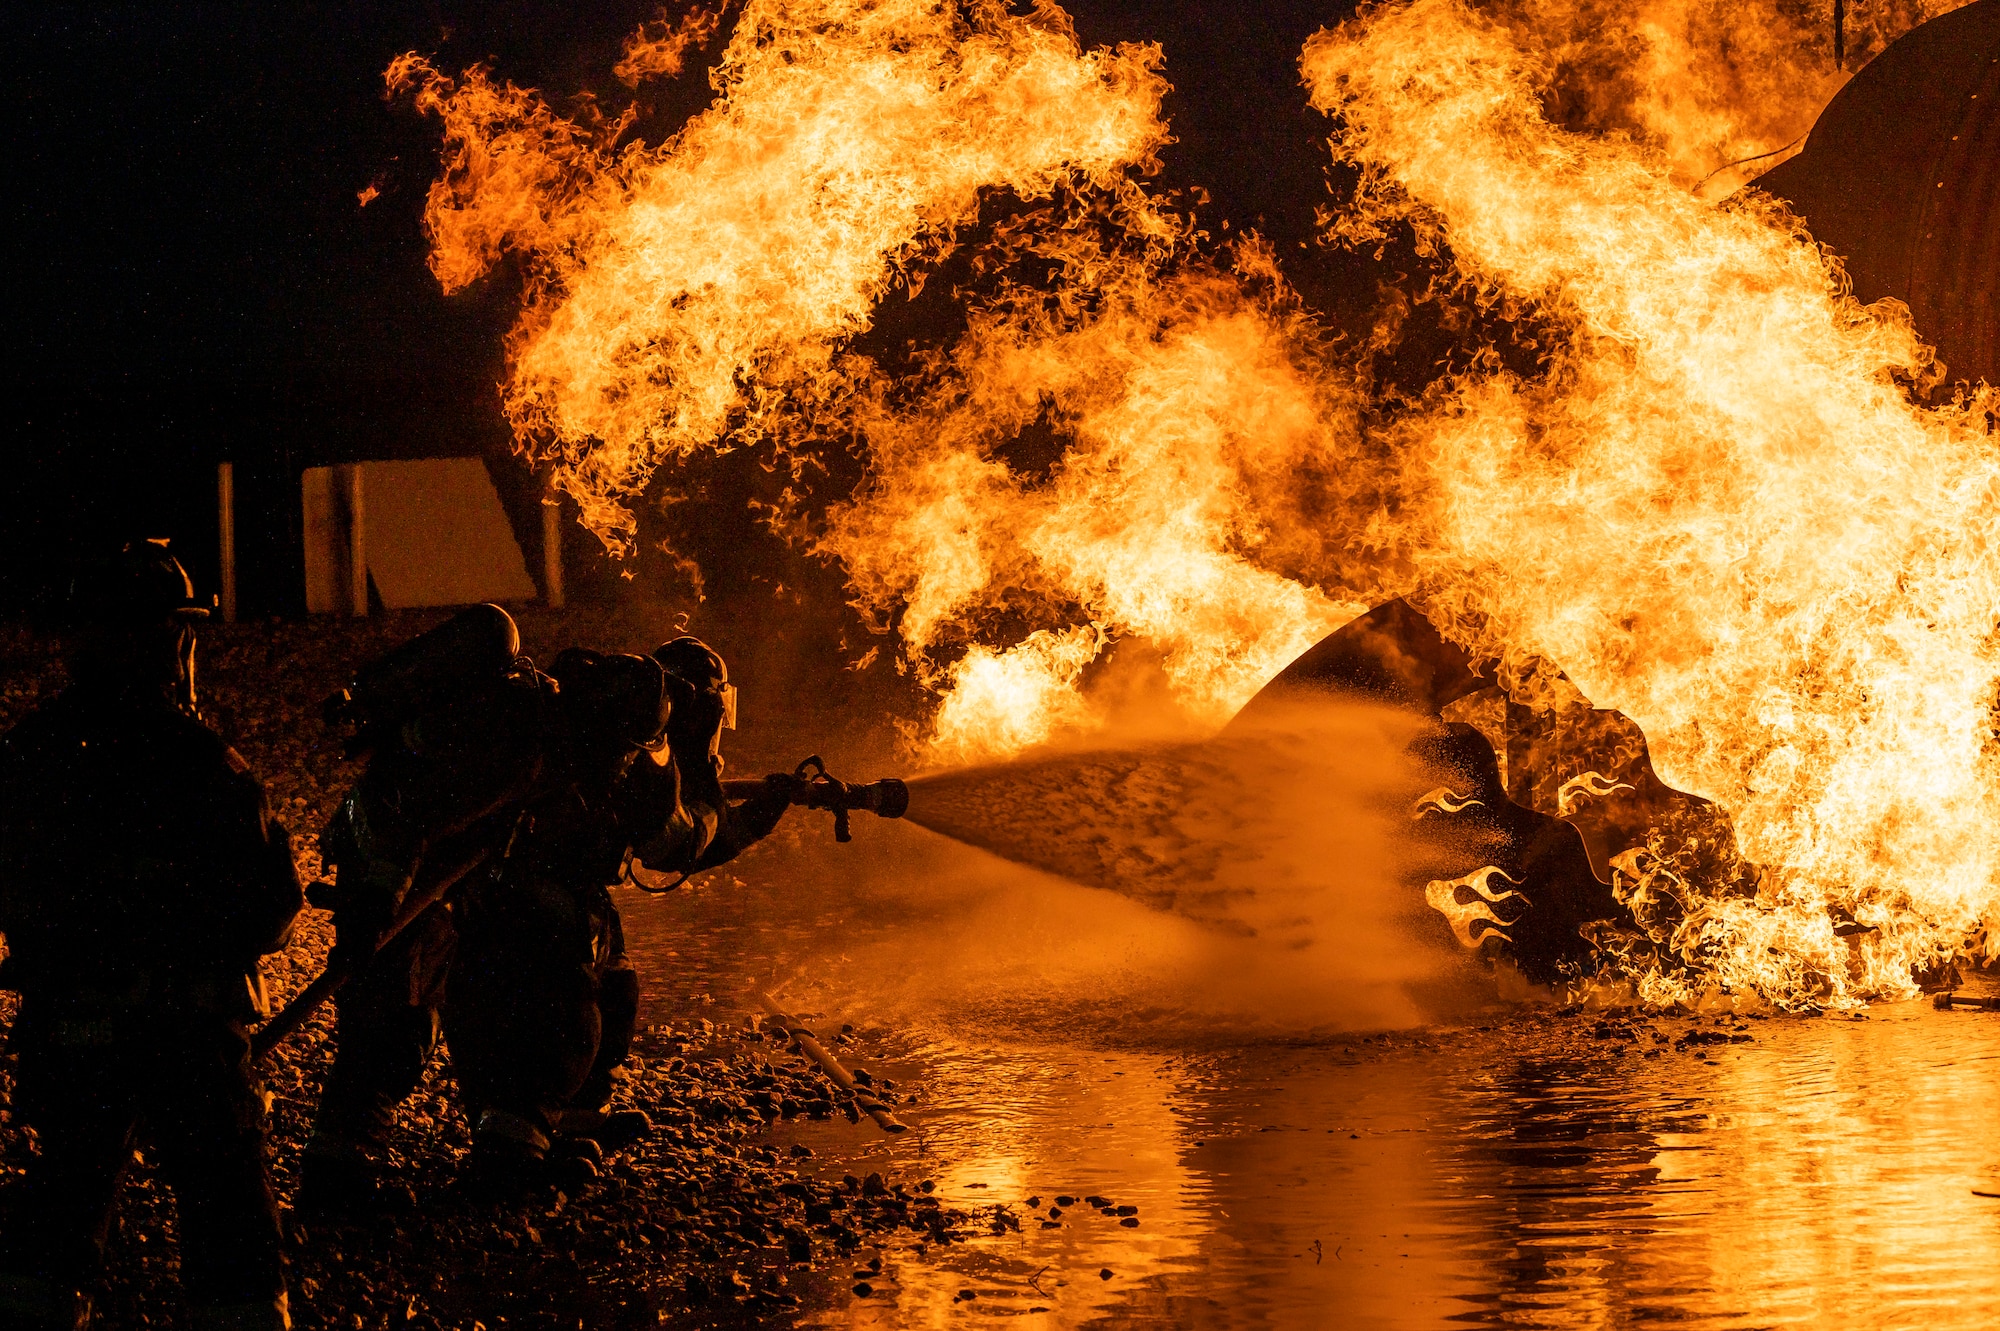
1442 800
1585 785
1010 700
1191 410
851 138
1717 510
1443 897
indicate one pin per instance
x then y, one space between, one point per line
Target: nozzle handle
812 788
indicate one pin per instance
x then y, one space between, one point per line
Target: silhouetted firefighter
473 860
542 1003
141 876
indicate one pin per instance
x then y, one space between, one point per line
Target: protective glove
755 818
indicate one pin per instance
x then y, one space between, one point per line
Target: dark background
193 279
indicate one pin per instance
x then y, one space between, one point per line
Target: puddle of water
1511 1171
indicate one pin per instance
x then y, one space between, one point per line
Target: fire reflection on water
1520 1169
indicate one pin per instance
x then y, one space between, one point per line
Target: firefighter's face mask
725 719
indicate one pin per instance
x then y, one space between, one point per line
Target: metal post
357 552
1839 34
552 566
225 510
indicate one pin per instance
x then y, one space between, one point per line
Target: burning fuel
1727 501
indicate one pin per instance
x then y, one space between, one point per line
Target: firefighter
141 877
543 1003
462 733
715 831
478 757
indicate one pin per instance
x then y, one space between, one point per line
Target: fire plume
1717 91
1718 510
1191 410
1724 501
677 288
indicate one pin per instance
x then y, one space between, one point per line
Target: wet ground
1518 1167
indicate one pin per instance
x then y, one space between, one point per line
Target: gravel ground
699 1224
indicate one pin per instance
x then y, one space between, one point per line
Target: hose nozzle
812 787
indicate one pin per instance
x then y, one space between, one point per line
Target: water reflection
1527 1172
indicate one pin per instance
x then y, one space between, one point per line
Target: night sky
194 280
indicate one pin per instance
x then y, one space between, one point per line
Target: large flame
1718 510
851 137
1714 505
1195 418
1718 90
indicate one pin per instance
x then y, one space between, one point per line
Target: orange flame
1702 84
1717 511
658 50
1191 411
1015 699
850 139
1462 915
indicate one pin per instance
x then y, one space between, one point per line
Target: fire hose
810 787
864 1100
